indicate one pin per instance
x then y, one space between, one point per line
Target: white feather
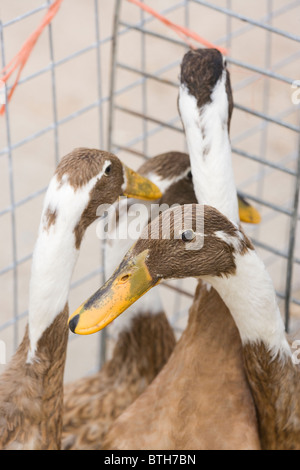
209 149
250 296
55 255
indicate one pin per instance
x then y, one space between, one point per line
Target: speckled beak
138 187
129 282
248 213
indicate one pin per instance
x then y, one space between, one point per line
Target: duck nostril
125 278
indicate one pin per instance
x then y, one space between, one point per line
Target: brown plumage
227 263
275 389
92 404
31 388
31 398
201 399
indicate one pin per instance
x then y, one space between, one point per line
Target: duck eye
107 170
189 175
188 236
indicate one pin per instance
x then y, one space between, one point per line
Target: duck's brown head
201 70
84 180
172 173
186 241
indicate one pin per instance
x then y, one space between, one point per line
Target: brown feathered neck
31 395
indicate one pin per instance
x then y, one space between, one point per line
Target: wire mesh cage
105 74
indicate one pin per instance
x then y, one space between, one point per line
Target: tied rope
21 58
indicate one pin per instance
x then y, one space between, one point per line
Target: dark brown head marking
200 72
81 165
168 257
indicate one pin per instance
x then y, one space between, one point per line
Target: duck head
186 241
213 66
100 178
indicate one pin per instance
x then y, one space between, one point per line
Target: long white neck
125 220
250 296
55 255
53 263
210 150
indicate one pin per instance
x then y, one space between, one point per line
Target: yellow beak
129 282
138 187
248 213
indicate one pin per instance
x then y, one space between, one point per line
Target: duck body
27 403
183 408
133 366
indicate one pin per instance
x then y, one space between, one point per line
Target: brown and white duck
218 411
31 388
228 262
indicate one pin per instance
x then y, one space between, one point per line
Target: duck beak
248 213
129 282
138 187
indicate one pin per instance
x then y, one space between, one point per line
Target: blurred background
105 74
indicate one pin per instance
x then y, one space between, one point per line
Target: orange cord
183 32
19 61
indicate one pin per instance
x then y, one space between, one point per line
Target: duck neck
54 259
209 148
249 295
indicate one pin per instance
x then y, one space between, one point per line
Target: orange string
20 59
183 32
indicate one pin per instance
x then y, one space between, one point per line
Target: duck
31 387
229 263
192 403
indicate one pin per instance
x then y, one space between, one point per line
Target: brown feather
92 404
31 395
275 388
201 398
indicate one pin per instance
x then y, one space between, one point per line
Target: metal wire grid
153 127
